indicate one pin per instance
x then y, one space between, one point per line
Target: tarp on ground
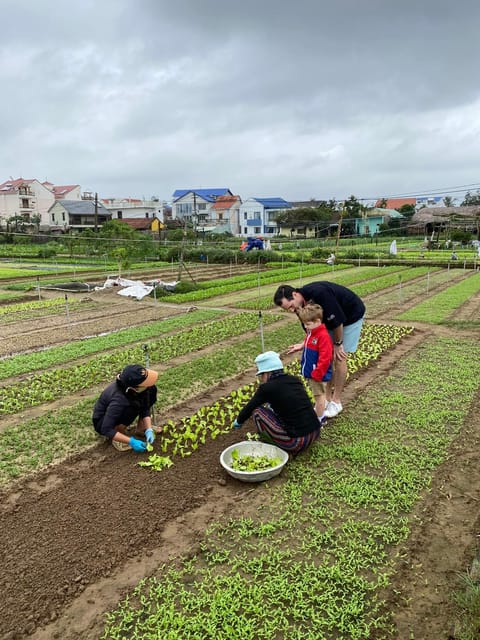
135 288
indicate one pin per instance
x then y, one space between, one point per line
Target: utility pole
339 230
195 217
96 213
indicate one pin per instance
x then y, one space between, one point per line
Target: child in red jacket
317 355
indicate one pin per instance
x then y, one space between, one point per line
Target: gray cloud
302 100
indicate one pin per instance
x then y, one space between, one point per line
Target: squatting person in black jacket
130 396
288 418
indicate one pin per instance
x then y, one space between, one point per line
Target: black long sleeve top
340 304
289 400
115 407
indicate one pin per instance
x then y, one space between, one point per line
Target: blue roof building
258 216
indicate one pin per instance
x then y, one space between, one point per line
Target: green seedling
252 463
156 462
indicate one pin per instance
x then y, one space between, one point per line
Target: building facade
196 203
133 208
27 199
258 216
77 215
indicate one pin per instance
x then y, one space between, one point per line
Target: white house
64 192
258 216
224 215
25 198
134 208
66 215
196 202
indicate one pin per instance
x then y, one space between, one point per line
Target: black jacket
340 305
115 407
289 400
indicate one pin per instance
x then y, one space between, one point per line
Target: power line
456 189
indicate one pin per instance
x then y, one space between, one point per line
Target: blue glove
138 445
236 425
149 435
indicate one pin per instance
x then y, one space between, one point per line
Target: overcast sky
304 99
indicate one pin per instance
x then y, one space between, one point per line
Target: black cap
135 375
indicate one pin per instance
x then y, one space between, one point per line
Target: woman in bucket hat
130 396
281 408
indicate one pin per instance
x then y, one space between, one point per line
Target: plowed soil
76 536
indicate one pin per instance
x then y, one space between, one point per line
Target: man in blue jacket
343 315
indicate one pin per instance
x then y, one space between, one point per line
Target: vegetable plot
319 557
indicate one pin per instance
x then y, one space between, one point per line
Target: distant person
331 259
343 315
129 397
453 256
281 409
317 355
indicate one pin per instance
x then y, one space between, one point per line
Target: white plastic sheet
134 288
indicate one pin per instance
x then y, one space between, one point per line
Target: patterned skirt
271 430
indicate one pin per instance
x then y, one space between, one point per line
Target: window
220 216
63 216
202 206
184 209
147 215
53 218
25 204
245 215
119 215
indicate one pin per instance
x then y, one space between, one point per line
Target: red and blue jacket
317 355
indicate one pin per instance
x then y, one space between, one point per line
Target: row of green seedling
56 383
440 307
66 353
378 278
64 431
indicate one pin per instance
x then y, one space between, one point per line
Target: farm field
366 533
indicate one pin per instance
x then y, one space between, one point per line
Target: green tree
471 199
120 254
407 210
307 215
36 220
353 207
448 201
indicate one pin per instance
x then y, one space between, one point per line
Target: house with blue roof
258 216
189 202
